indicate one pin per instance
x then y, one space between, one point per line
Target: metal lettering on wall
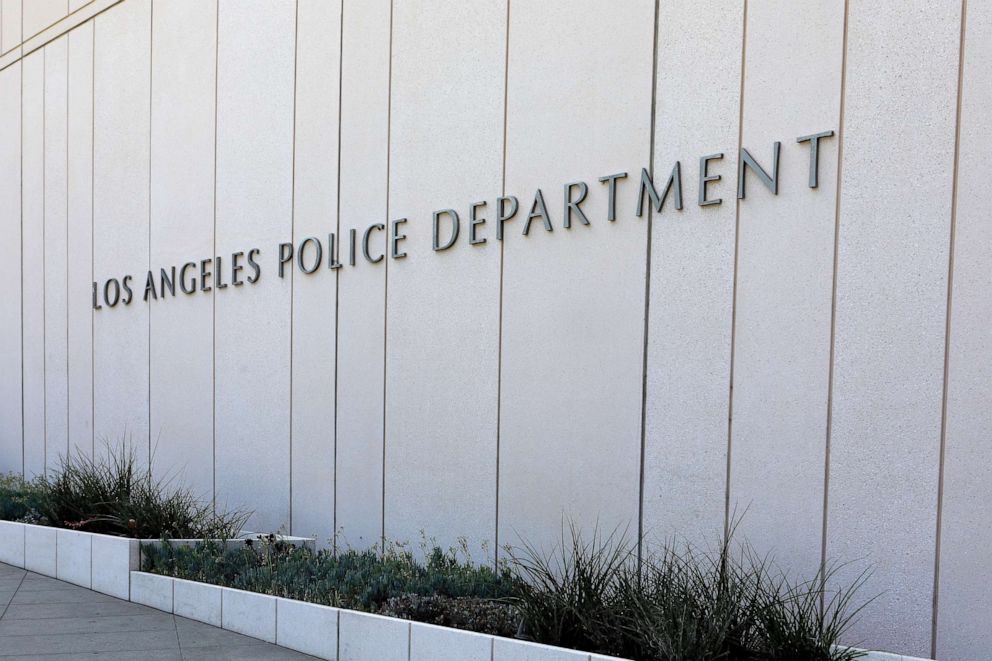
313 253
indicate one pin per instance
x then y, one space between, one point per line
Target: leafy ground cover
587 594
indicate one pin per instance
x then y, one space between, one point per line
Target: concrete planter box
74 561
197 601
12 543
365 637
110 565
40 549
332 633
433 643
152 590
113 560
308 628
238 542
505 649
888 656
249 613
100 562
345 635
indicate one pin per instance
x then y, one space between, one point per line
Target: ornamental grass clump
578 594
114 495
590 593
680 604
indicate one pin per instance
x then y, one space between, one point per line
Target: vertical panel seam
947 330
647 290
833 303
93 244
44 275
68 293
337 282
385 288
499 322
292 234
213 296
151 57
23 460
733 297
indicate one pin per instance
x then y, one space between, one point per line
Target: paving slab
88 624
42 618
65 596
98 607
245 653
65 643
193 634
143 655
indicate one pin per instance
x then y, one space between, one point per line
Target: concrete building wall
810 364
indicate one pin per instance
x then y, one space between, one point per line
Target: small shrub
574 596
114 496
446 587
805 620
590 594
471 613
679 604
20 499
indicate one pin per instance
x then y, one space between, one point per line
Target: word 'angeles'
244 267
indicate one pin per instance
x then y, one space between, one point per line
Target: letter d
437 232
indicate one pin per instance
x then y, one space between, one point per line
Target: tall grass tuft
576 595
680 603
589 593
113 495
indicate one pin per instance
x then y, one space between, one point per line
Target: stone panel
692 272
443 307
785 280
573 299
362 289
314 296
965 569
56 261
11 437
120 224
182 231
254 210
895 216
80 239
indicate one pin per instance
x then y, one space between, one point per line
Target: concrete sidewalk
42 618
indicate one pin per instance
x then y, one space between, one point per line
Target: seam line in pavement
19 584
56 654
78 633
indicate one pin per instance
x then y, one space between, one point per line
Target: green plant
578 594
679 604
806 619
20 499
445 587
113 495
689 606
472 613
589 593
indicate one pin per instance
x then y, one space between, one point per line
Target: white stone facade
818 359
